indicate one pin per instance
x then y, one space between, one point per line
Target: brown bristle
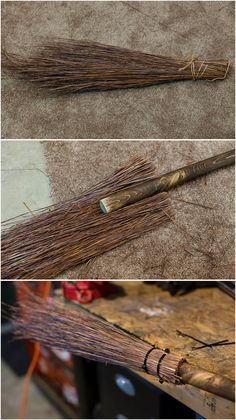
83 334
77 230
67 66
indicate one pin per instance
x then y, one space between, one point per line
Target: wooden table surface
154 315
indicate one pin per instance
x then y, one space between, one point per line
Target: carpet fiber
200 244
176 110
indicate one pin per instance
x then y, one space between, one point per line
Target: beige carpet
171 251
177 110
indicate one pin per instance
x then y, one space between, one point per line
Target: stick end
104 206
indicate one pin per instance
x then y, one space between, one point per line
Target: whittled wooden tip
165 182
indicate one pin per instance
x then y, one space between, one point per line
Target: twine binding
197 75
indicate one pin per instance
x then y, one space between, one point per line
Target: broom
74 231
68 66
165 182
83 334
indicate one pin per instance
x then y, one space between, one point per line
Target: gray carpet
201 242
177 110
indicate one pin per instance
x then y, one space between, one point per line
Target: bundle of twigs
67 65
83 334
74 231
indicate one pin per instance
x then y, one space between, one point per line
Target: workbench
155 316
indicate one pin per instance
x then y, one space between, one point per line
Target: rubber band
158 367
146 357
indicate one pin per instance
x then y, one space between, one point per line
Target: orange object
43 288
56 373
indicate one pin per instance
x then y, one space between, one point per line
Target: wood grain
165 182
154 316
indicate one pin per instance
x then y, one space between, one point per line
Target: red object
86 291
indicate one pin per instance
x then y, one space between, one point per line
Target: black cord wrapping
146 357
158 367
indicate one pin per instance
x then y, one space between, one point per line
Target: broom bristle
66 66
75 231
85 335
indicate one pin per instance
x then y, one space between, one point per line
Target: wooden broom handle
165 182
210 382
173 368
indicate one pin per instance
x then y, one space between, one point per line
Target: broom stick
165 182
68 66
75 231
83 334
